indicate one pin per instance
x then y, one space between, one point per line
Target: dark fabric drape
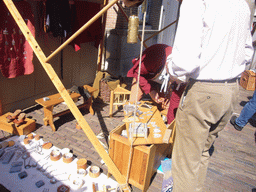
58 17
82 12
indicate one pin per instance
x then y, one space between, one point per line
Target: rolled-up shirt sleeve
186 52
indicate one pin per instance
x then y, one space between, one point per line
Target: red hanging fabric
16 55
83 11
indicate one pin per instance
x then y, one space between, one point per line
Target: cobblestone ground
232 166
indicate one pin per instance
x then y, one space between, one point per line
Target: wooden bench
57 99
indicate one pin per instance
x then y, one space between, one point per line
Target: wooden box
145 158
247 80
24 129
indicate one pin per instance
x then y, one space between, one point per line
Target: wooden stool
118 97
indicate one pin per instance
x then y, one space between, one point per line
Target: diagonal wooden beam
65 95
79 31
160 31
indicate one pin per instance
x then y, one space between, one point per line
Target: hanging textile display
82 12
15 52
57 18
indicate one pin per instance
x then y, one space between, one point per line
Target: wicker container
104 91
105 88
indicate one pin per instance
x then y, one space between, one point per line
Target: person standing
247 112
212 47
213 44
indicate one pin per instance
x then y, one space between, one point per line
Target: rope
137 90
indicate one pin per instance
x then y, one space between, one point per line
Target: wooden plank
55 99
102 42
64 93
149 168
136 166
160 31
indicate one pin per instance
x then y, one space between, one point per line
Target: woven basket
108 84
104 91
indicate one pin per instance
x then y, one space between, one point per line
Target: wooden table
57 99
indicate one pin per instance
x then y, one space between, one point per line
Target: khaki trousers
204 110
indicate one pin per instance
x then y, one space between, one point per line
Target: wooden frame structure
62 90
59 85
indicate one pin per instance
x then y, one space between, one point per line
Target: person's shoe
233 122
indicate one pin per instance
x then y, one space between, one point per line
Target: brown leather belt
216 81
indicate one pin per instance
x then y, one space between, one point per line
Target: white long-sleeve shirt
213 40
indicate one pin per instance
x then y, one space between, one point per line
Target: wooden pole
85 26
160 31
101 48
65 95
127 19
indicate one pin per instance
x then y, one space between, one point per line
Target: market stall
121 179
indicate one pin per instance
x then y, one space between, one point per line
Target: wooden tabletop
57 99
155 124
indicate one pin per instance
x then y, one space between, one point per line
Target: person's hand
154 95
159 99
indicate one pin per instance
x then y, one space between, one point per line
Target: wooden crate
145 159
247 80
24 129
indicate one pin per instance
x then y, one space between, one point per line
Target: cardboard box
247 80
145 158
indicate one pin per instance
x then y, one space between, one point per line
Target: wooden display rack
145 158
24 129
153 117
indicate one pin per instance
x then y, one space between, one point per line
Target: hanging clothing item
83 12
58 16
15 52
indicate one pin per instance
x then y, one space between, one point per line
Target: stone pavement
232 166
